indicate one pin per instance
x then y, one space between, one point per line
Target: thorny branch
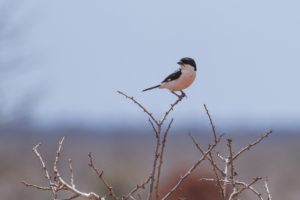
236 193
141 106
228 174
71 171
267 189
224 175
251 145
159 150
182 178
202 152
214 166
211 123
232 173
142 186
58 183
100 176
161 158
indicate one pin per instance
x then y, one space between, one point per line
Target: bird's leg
175 94
183 94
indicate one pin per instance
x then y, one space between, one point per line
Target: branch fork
230 188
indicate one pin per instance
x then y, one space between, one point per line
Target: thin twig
154 129
157 131
251 145
202 152
238 183
140 105
161 157
221 157
131 197
142 186
211 123
170 109
47 176
229 141
68 187
182 178
214 166
56 173
59 183
226 178
251 189
36 186
236 193
267 189
100 176
156 156
71 171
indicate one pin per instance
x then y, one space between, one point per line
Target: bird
180 79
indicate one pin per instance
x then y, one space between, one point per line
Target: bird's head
187 61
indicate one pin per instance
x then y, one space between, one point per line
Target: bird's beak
180 63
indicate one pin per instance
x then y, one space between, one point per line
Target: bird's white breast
188 75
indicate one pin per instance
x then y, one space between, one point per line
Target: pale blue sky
79 53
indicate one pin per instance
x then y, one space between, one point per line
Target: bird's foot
183 94
179 96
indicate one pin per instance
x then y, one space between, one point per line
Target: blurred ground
58 60
126 160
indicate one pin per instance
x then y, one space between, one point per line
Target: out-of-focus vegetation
126 160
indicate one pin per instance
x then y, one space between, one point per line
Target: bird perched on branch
180 79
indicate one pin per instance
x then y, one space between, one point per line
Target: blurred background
61 63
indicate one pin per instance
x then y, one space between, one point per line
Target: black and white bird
181 78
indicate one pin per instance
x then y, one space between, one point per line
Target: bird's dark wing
175 75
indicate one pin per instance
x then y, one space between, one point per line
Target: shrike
181 78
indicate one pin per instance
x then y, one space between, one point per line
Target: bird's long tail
151 88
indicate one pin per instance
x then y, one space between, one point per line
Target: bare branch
154 129
211 123
238 183
142 186
47 176
267 189
209 179
100 176
36 186
250 188
226 178
231 164
236 193
182 178
214 166
131 197
59 183
141 106
223 178
68 187
252 144
170 109
56 173
202 152
161 157
71 171
156 156
221 157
